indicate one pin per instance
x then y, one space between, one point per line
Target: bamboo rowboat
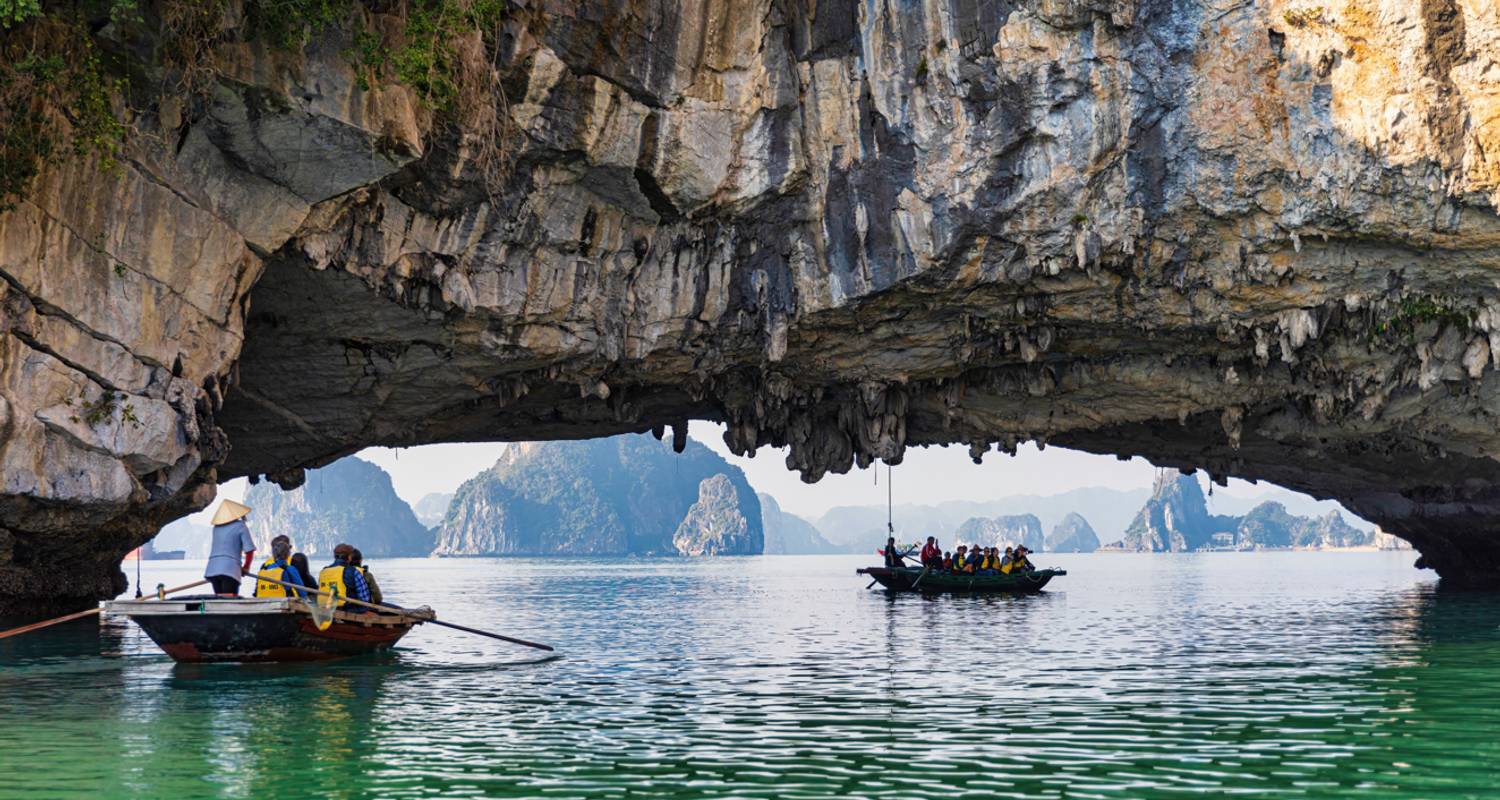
911 579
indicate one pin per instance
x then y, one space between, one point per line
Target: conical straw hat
229 511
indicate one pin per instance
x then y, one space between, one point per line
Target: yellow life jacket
1006 566
331 579
268 589
984 562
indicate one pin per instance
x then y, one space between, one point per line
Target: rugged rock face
618 496
1268 525
1175 519
789 534
715 525
431 509
1385 541
1258 239
1072 535
350 500
1003 531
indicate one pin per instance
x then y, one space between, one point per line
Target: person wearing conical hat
231 537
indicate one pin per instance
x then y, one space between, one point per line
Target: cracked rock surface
1254 238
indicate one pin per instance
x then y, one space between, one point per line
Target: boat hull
910 579
197 629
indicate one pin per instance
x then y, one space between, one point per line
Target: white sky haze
927 475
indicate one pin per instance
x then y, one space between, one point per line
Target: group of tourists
965 560
346 577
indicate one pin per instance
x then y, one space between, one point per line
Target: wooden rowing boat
200 628
905 579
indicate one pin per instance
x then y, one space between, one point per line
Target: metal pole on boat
406 613
86 613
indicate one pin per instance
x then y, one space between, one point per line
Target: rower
279 567
230 538
357 560
893 557
342 579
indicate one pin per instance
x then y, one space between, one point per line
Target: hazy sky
928 475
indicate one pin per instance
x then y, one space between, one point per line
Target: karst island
749 398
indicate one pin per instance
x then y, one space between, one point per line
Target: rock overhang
842 229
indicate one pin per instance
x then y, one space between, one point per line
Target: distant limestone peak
622 495
714 525
789 534
1003 531
1073 534
1176 519
350 500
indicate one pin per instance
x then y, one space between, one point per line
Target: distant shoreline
1363 548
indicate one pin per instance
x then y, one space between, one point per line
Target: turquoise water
1271 675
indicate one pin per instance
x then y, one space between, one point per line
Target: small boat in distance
209 628
911 579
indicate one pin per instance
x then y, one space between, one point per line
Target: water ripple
1282 675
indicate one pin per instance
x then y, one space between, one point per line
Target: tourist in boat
279 567
304 570
1021 563
948 562
960 557
990 565
231 537
342 578
357 560
1007 561
932 555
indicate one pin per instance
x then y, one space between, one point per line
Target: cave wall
1256 238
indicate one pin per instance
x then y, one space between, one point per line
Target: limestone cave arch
1241 241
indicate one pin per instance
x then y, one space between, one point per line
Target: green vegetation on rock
1416 310
55 95
58 94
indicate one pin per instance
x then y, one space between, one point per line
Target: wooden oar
918 581
81 614
405 613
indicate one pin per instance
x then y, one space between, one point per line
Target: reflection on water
1279 675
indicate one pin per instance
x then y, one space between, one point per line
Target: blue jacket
355 585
